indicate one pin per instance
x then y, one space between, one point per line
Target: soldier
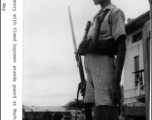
104 54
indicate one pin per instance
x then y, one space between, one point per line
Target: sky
50 72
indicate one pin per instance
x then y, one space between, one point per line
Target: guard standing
104 54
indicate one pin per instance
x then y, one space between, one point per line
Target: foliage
73 104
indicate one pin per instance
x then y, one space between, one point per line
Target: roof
137 23
43 109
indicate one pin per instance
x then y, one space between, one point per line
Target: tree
73 104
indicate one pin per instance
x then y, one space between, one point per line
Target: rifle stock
86 30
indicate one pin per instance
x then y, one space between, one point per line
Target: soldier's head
97 2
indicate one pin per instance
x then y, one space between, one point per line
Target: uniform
100 68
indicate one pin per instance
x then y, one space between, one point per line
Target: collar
108 7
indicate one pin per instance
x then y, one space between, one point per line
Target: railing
134 92
140 89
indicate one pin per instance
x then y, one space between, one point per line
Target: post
146 56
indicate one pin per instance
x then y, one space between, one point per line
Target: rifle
82 84
78 57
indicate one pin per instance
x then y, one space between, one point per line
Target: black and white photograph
76 60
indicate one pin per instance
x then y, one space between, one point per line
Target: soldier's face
96 2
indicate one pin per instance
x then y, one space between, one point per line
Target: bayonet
72 30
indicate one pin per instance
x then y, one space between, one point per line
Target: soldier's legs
100 71
88 111
106 113
89 99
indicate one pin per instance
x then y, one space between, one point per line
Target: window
136 67
136 37
138 74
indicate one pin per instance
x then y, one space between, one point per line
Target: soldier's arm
120 58
115 91
118 31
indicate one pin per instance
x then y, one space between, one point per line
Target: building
134 84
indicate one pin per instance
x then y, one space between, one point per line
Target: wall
133 49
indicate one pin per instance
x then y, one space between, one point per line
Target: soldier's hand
82 86
76 56
115 93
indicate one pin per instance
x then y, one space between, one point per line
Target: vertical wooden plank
146 57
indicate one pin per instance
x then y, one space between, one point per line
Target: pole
146 55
